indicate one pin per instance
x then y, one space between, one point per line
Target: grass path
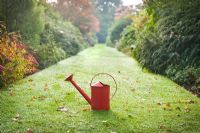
144 102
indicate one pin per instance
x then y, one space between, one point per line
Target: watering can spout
70 79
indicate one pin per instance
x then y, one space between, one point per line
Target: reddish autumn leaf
29 130
168 104
80 13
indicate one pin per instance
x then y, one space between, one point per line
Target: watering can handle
108 75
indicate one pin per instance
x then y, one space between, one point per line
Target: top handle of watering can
107 75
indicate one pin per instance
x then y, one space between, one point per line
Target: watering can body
100 94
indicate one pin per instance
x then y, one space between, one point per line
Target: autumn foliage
15 60
80 13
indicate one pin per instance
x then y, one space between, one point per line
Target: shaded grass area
144 102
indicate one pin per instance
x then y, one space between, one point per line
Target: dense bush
167 40
59 39
25 16
49 54
15 60
116 30
69 38
127 40
44 33
39 24
90 38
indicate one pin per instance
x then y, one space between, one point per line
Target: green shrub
69 38
59 39
25 16
127 40
49 54
62 33
169 42
90 38
116 30
166 40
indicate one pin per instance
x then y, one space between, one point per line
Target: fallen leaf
17 115
33 98
12 93
16 118
162 127
46 88
62 109
41 97
187 109
86 109
159 103
29 130
168 104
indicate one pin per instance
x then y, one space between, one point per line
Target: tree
105 10
25 16
80 13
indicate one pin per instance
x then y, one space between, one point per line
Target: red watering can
100 93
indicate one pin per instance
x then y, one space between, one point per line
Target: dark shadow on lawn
111 120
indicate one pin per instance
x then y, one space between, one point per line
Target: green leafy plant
166 40
116 30
49 54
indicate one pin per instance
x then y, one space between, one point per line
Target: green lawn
144 102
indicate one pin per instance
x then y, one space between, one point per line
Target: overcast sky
125 2
131 2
